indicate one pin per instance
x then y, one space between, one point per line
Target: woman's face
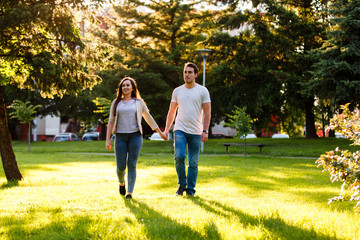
126 87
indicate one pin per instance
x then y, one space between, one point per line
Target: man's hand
204 137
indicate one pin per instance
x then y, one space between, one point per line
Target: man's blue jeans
193 143
127 150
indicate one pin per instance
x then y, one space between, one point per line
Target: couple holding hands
188 103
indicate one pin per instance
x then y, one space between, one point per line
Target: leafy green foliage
336 77
344 165
103 107
269 59
240 121
347 123
41 47
151 46
24 112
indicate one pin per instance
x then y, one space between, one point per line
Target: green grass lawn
70 191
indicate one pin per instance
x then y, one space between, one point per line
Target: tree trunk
103 132
11 169
29 136
310 119
245 146
323 124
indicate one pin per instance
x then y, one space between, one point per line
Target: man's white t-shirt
190 112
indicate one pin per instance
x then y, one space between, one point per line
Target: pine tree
336 77
276 56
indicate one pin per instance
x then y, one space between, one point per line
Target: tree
24 112
336 76
151 46
240 77
241 122
41 48
103 108
273 54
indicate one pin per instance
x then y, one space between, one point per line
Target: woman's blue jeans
193 143
127 150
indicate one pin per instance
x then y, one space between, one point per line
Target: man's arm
207 116
170 117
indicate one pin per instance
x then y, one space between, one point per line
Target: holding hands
163 135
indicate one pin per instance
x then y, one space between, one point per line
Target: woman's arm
150 120
108 135
162 134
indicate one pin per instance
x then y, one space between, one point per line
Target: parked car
62 137
280 135
156 137
218 135
339 135
250 135
91 136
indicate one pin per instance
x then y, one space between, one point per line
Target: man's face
189 75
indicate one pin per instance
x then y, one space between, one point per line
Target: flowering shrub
343 165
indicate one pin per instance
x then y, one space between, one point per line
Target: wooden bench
227 145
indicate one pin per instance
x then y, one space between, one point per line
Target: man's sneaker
180 191
190 193
128 196
122 190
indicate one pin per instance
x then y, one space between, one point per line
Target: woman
126 113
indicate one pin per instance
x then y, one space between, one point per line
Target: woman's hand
108 144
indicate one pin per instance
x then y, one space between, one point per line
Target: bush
343 165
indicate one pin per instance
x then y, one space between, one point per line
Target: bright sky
206 6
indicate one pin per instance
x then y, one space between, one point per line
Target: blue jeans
127 150
193 143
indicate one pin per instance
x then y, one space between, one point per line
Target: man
190 100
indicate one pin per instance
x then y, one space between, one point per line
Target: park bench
227 145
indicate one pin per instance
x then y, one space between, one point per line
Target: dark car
91 136
218 135
62 137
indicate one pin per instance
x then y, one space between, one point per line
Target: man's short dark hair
192 65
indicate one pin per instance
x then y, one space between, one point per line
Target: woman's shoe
122 190
128 196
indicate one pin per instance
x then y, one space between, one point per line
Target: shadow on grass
276 227
10 184
258 177
161 227
18 227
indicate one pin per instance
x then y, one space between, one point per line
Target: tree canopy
269 59
41 49
151 40
336 77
